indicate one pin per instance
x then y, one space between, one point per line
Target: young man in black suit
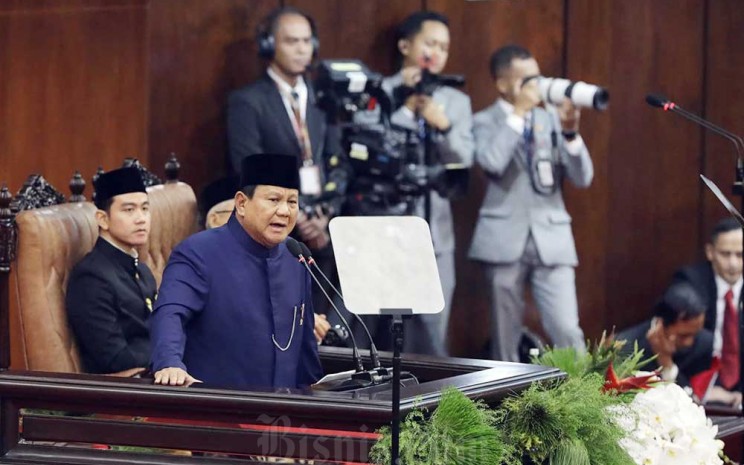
110 294
718 280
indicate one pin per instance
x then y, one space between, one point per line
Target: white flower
665 427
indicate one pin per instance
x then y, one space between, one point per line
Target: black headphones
265 36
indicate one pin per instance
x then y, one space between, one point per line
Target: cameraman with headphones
278 114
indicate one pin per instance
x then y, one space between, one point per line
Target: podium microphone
296 250
659 101
372 347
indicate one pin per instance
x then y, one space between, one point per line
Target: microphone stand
373 353
737 189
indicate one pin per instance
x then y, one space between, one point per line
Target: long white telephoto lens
554 90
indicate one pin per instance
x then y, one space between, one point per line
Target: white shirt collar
300 88
507 107
722 287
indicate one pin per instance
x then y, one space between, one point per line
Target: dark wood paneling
724 84
638 222
479 28
74 86
590 22
199 52
363 30
73 92
59 6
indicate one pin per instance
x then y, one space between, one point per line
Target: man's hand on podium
174 377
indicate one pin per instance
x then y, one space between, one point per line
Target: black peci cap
270 170
117 182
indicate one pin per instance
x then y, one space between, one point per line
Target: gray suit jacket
456 146
512 209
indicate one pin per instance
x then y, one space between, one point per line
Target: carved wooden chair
47 237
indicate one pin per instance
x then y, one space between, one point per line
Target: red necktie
730 352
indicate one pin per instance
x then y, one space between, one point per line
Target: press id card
545 173
310 180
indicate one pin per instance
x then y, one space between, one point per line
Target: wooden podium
217 424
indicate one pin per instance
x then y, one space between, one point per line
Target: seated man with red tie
718 280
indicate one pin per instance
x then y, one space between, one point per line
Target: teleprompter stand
386 266
396 328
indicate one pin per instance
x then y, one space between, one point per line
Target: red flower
612 383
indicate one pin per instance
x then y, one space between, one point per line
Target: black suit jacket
257 122
702 278
108 311
689 361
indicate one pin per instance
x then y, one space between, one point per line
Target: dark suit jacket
257 122
689 361
108 311
701 277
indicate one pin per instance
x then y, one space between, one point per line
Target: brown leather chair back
174 218
51 240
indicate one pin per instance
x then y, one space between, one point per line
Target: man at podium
235 307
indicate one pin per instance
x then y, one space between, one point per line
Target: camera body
430 82
556 90
389 168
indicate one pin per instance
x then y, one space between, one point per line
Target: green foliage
596 359
548 418
556 423
570 453
566 359
459 432
532 422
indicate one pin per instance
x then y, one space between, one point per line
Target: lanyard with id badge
310 181
543 157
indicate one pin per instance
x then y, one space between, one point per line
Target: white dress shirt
285 90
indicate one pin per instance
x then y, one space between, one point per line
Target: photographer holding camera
523 231
430 110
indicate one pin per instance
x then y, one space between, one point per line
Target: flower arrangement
665 427
599 415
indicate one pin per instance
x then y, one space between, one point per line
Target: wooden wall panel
724 86
588 206
200 51
362 30
74 86
638 222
